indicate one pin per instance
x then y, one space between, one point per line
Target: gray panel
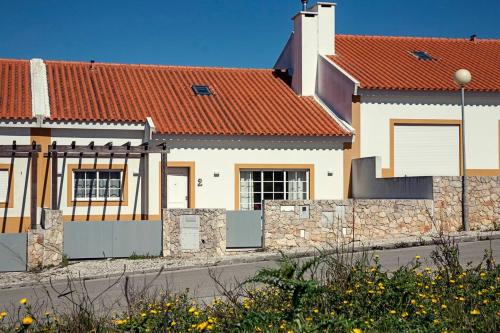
190 232
243 229
13 252
140 238
86 240
366 184
113 239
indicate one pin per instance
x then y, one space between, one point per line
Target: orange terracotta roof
244 101
380 62
15 91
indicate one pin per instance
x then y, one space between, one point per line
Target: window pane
268 175
114 193
257 187
278 176
257 197
256 175
279 187
245 176
80 193
115 175
268 187
268 196
257 206
279 196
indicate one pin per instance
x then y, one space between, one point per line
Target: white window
97 184
4 185
258 185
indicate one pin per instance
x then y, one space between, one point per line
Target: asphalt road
109 293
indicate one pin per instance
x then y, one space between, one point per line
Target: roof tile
244 101
381 62
15 90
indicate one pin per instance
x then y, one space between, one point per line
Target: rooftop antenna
92 64
304 5
472 38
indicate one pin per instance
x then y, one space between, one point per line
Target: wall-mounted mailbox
190 232
304 212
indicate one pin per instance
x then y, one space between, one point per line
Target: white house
235 138
399 95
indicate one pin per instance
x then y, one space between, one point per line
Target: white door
177 187
426 150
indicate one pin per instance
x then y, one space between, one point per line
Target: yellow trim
352 149
239 167
14 225
393 122
10 200
91 202
42 136
191 166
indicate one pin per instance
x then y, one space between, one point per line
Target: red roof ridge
182 67
451 39
13 60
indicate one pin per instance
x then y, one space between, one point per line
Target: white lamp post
463 77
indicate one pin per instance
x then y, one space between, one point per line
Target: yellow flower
315 310
452 281
23 301
173 323
309 318
475 312
27 321
289 331
483 274
196 313
461 299
3 314
202 326
392 312
417 257
485 301
413 302
443 306
404 314
356 330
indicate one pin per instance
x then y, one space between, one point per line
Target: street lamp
463 77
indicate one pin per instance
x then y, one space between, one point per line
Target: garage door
426 150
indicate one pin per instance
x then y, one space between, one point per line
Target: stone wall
385 220
45 245
483 201
212 232
285 226
331 223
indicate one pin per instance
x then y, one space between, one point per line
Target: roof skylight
422 55
201 90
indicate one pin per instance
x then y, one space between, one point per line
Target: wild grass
334 292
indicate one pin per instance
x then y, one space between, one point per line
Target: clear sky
235 33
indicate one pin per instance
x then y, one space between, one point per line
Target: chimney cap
304 4
472 37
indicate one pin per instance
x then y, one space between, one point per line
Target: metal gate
113 239
13 252
244 229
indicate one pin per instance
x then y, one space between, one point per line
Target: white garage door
426 150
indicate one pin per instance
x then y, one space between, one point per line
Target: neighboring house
399 96
236 137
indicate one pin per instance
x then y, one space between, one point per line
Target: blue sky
235 33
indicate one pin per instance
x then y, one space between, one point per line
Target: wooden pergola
55 151
25 151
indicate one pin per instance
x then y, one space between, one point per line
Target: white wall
481 128
335 89
222 155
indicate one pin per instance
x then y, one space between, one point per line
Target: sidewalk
95 269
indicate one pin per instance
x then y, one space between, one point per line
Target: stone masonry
212 232
326 223
45 246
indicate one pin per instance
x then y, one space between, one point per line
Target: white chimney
326 27
314 34
305 53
